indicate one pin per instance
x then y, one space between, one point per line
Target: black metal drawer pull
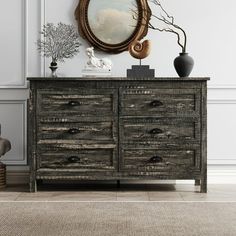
74 159
156 131
156 103
73 103
156 159
73 131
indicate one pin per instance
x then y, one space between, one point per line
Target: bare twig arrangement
169 21
169 24
59 42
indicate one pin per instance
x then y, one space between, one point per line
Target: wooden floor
126 192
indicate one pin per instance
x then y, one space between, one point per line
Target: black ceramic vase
53 67
183 64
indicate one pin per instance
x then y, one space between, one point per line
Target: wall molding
221 162
16 161
25 42
42 22
221 86
24 46
222 174
221 101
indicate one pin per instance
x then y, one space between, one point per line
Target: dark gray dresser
117 128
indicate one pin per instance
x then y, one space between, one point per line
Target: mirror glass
112 21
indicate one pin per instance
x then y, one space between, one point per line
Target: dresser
117 129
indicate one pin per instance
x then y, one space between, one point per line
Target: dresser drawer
160 129
160 160
102 131
148 102
92 159
91 102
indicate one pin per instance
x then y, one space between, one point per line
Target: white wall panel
13 15
221 131
13 127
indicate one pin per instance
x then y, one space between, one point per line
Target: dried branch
59 42
169 20
158 3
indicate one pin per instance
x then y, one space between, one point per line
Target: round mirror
111 25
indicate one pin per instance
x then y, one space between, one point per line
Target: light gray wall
211 42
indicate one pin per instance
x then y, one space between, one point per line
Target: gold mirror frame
81 15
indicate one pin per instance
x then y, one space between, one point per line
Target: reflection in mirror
112 21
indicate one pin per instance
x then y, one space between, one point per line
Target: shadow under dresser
117 129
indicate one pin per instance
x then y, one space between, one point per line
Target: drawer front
80 102
148 102
80 159
101 131
160 130
160 160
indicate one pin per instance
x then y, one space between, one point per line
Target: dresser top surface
158 79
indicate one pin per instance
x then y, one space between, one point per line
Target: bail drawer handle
73 131
156 103
156 159
73 159
73 103
156 131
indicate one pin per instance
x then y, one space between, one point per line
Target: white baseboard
222 175
17 177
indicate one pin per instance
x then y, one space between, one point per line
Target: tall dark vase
183 64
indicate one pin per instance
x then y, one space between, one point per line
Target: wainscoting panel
13 127
221 131
13 47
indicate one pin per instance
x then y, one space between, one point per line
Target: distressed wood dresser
117 128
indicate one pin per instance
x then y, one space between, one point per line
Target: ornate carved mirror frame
140 31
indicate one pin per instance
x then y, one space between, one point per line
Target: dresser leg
203 186
33 186
118 183
197 182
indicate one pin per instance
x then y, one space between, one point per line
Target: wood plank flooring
126 192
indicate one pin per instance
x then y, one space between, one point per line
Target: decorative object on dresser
109 25
96 67
117 128
140 51
58 43
5 146
183 63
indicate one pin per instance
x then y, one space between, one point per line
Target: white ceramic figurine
97 63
